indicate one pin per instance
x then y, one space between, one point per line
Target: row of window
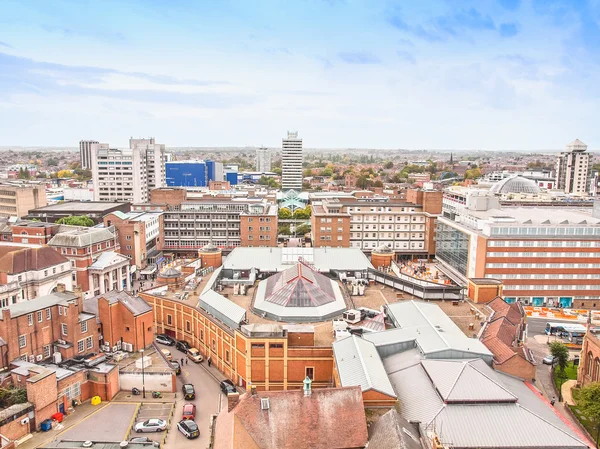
567 230
542 265
543 276
531 254
551 287
544 244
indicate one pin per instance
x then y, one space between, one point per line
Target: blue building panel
186 174
210 170
232 177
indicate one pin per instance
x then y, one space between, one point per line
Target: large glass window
452 247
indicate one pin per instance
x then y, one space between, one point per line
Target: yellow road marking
135 414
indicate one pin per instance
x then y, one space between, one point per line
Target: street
208 402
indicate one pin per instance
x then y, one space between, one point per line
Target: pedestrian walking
209 361
181 361
552 402
186 361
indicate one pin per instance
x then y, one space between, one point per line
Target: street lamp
143 361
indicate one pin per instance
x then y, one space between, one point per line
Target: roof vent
123 443
264 403
88 443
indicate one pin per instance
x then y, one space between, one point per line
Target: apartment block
17 199
291 162
263 160
544 256
574 169
85 153
330 226
258 225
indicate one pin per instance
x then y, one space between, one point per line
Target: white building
573 168
85 153
291 162
127 175
263 160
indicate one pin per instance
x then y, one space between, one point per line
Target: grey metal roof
358 363
107 259
81 237
134 304
392 431
276 259
80 206
43 302
222 308
431 329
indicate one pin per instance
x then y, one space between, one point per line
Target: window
188 326
45 273
48 314
276 345
81 346
214 345
59 310
84 328
258 345
169 319
40 316
54 270
46 351
72 391
129 247
64 329
202 335
22 341
30 319
226 356
89 342
65 311
128 237
309 371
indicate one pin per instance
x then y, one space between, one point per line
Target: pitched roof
393 431
19 260
359 363
33 305
80 238
328 418
107 259
299 286
513 312
134 304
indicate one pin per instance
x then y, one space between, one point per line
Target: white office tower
85 153
127 175
263 160
155 160
574 169
291 162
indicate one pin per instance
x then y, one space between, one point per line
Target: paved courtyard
111 423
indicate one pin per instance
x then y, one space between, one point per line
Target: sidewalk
126 396
81 412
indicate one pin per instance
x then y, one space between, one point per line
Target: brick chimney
60 288
79 293
232 400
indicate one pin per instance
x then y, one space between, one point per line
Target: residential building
190 224
96 265
323 418
15 171
17 199
140 235
95 210
263 160
368 222
128 175
291 162
27 273
574 169
544 256
258 225
85 153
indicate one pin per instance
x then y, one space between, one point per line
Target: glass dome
515 184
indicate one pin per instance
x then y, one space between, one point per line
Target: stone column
120 278
101 283
128 279
111 277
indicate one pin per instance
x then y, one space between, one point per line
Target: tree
561 355
307 172
283 230
388 165
76 220
327 171
302 229
284 213
24 173
302 214
64 174
52 162
11 396
588 403
269 182
473 173
377 183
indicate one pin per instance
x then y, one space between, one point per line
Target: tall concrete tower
263 159
574 168
291 162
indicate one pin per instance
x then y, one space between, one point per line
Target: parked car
188 391
151 425
183 346
194 355
189 428
164 339
175 365
548 360
227 387
167 354
145 440
189 411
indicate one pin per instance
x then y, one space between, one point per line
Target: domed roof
383 248
170 273
209 248
515 184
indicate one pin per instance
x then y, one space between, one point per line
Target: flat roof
79 206
536 216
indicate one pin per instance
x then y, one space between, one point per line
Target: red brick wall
119 324
250 230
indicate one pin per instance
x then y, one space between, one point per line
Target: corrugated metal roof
358 363
81 237
224 309
417 398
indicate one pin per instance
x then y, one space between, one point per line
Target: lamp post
143 362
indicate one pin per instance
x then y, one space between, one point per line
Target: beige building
16 200
574 168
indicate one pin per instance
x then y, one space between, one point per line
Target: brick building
35 330
589 364
140 235
27 273
329 225
96 266
258 225
36 233
91 209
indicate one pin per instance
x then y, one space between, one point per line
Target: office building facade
263 160
291 162
17 199
85 153
574 169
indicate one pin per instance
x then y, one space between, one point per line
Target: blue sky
506 74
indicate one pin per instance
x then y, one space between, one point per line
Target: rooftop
80 238
134 304
14 260
43 302
80 206
536 216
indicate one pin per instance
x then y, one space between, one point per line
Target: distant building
574 168
14 171
16 200
187 174
91 209
85 153
263 159
291 162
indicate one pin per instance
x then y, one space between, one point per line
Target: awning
150 269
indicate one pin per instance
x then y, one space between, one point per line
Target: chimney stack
232 400
79 293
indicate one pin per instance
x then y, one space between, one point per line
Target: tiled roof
329 418
33 305
513 312
392 431
19 260
134 304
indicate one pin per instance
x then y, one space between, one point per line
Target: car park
188 428
151 425
183 346
189 411
188 391
194 355
176 366
227 386
164 339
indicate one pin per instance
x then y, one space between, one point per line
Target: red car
189 411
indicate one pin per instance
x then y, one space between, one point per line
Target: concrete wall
152 381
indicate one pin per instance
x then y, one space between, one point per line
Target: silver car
151 425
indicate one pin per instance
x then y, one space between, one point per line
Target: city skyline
508 75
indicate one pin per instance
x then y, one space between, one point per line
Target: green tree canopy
76 220
284 213
388 165
302 229
284 230
588 403
561 355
